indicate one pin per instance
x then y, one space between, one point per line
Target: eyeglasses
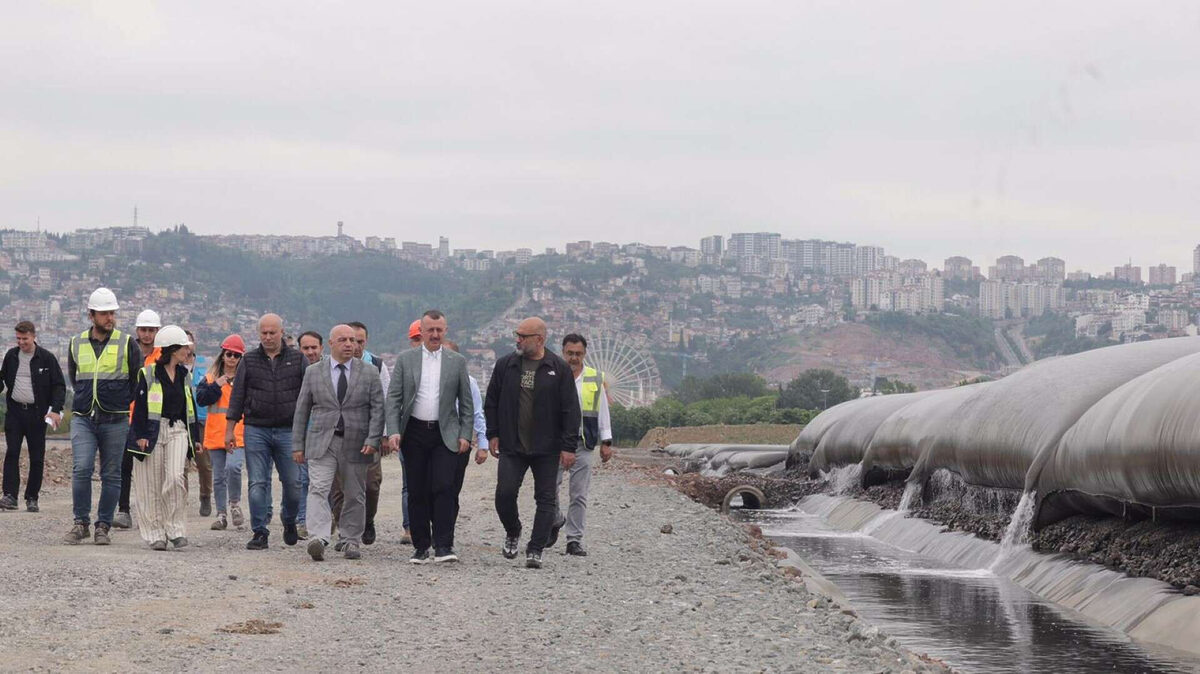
235 355
521 335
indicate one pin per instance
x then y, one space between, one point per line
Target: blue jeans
88 438
302 483
266 446
227 476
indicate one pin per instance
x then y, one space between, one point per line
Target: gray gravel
705 597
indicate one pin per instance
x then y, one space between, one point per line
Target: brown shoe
77 534
101 537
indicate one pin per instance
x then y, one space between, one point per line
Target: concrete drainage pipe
752 498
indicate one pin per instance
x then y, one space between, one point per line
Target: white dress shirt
601 409
335 374
425 405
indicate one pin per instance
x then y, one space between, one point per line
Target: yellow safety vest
154 403
101 382
591 387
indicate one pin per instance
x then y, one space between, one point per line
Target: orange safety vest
215 424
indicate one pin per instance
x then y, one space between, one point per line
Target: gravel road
706 597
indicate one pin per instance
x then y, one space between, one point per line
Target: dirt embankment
748 434
851 348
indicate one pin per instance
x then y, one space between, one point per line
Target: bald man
264 397
337 431
533 421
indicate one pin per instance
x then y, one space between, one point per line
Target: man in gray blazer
429 418
337 430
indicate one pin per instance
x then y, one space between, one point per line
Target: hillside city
660 302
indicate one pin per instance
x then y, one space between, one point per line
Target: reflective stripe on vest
154 398
111 365
590 387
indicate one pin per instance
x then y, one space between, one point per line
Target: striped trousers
160 485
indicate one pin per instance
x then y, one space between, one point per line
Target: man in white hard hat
147 326
102 365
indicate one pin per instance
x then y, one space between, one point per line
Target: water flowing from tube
843 479
1017 533
910 494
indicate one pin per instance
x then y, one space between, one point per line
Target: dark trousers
432 485
460 474
24 423
509 477
126 481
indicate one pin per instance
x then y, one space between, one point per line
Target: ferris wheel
630 373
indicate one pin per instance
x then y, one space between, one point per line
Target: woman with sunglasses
214 393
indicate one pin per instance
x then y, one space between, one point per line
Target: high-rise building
1162 275
1050 270
867 259
712 247
958 267
1196 261
760 244
443 247
1007 268
912 266
1128 273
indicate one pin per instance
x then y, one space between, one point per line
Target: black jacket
140 426
555 405
265 389
49 387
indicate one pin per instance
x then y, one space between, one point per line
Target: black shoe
510 546
554 532
290 535
259 542
8 503
205 506
533 560
420 557
444 555
368 536
576 548
340 546
31 505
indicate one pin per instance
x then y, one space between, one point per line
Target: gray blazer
317 410
454 422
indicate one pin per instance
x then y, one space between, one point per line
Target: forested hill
380 290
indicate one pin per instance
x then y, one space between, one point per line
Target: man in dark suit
337 430
429 417
533 421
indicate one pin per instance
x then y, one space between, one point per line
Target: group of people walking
147 406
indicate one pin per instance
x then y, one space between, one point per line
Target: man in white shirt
596 429
429 419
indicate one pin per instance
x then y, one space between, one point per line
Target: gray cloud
931 128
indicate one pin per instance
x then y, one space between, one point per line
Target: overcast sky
1069 129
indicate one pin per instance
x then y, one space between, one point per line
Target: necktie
341 394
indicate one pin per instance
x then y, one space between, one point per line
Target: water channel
969 618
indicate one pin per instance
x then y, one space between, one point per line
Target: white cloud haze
930 128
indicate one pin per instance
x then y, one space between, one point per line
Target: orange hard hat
414 330
234 343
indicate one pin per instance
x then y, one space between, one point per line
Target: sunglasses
235 355
521 335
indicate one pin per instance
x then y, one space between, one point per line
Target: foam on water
843 479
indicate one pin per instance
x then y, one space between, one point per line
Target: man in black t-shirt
533 418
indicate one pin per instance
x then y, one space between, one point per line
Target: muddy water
969 618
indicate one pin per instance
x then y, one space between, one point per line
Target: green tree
815 390
885 386
729 385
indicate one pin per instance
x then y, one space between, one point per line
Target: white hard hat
148 319
171 335
102 299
